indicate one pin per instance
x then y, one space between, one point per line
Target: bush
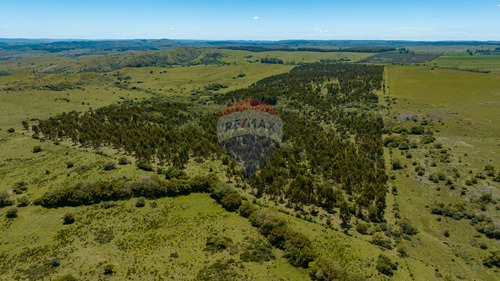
266 220
217 271
493 259
217 244
396 164
55 262
5 199
362 228
258 251
385 265
68 218
407 227
220 191
231 201
246 209
11 130
37 149
401 251
299 250
426 139
144 166
417 130
70 164
109 166
323 269
11 213
141 202
23 201
67 277
380 239
109 269
20 187
123 160
174 173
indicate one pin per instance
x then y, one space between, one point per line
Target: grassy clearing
460 106
242 57
165 241
475 62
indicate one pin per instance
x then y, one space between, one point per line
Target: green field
476 62
167 238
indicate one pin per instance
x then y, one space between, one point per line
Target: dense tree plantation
335 150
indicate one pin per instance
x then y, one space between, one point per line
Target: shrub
417 130
385 265
144 166
55 262
141 202
11 130
231 201
266 220
123 160
217 271
70 164
20 187
393 141
381 240
5 199
37 149
109 166
404 146
407 227
426 139
109 269
220 191
174 173
258 251
362 227
279 235
401 251
493 259
68 218
324 269
489 229
67 277
246 209
299 251
11 213
396 164
217 244
23 201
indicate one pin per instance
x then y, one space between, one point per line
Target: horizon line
248 40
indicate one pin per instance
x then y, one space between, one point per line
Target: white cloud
255 18
171 28
4 26
413 29
498 5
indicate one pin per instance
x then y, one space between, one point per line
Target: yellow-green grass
462 107
142 240
475 62
181 80
241 57
449 49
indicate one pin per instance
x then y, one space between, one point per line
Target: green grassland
462 106
237 56
165 240
476 62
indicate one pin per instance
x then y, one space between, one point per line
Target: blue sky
251 20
